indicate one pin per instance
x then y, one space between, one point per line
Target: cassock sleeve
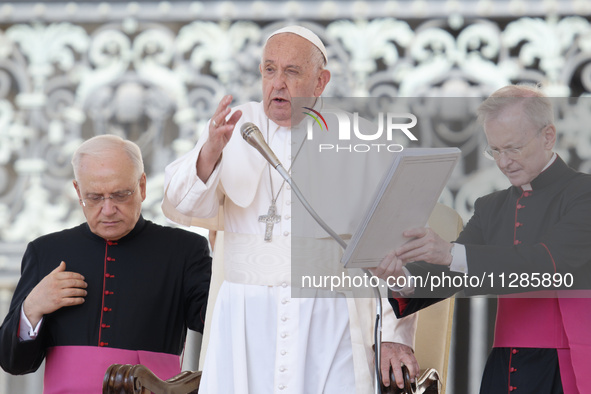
424 295
196 283
405 306
564 248
20 357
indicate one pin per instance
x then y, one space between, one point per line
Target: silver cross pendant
270 219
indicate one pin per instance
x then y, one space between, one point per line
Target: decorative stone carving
154 72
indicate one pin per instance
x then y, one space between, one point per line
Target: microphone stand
343 244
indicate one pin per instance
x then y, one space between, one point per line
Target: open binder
404 199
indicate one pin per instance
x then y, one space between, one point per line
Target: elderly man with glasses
536 235
117 289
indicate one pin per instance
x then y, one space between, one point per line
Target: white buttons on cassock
286 361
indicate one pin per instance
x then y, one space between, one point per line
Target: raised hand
220 132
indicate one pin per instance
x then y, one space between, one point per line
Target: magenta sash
560 323
576 315
529 322
81 369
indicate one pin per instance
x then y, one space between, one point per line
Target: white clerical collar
527 186
272 126
273 129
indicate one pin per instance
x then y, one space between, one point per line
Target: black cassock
144 291
513 234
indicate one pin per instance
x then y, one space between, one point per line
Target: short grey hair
100 144
535 104
318 58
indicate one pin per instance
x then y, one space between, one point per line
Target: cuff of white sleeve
26 330
408 283
459 262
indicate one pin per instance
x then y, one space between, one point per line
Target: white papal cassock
261 340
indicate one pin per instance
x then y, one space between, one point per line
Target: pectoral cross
270 219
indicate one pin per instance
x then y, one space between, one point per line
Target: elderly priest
115 289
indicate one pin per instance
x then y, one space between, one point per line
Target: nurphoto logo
388 123
316 117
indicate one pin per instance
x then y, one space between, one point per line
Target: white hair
534 103
101 144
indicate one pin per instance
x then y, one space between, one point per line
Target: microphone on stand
251 133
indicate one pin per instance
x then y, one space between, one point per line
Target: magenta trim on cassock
81 369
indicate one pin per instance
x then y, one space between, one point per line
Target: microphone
251 133
254 137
